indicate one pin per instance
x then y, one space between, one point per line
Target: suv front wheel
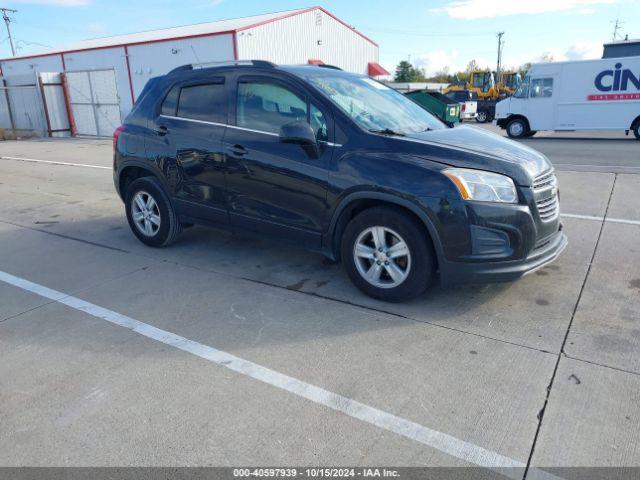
150 214
388 255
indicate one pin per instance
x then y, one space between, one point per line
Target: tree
472 65
405 72
524 68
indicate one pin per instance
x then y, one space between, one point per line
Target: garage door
95 103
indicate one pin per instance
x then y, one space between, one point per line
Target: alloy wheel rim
482 116
145 213
382 257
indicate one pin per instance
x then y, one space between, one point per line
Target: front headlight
482 186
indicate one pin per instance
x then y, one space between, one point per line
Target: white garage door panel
108 119
79 87
95 102
85 119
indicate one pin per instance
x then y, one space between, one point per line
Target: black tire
517 128
636 130
530 133
482 116
169 228
421 259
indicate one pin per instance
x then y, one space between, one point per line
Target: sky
432 34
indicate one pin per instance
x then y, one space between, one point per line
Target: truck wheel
636 130
388 255
482 116
517 128
530 133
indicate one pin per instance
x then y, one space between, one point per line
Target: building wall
29 66
152 59
104 59
294 40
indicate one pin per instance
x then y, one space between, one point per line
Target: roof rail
326 65
194 66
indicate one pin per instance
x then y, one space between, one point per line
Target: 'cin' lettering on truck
618 80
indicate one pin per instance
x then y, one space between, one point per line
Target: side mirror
302 134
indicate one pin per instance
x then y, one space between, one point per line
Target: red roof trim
375 69
307 10
315 61
184 37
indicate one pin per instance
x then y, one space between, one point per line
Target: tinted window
266 106
171 101
541 87
203 102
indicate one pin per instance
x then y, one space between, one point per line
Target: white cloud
473 9
57 3
437 60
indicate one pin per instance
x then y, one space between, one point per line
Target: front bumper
453 273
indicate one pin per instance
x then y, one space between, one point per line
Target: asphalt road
590 151
230 350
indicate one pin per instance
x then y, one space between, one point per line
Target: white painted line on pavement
600 219
69 164
443 442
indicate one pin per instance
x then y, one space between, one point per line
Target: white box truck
599 94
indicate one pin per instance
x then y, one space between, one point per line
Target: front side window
267 107
541 87
206 102
523 89
372 105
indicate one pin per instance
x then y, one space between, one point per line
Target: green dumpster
442 107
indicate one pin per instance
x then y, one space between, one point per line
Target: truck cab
601 94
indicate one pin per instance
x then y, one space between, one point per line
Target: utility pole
499 63
7 21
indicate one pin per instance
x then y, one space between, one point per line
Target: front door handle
162 130
238 150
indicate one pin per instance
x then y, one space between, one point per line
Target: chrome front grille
546 193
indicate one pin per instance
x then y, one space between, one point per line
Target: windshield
374 106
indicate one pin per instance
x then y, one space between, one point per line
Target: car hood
473 147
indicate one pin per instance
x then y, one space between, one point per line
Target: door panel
273 187
541 103
188 136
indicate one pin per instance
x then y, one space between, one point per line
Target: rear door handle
162 130
238 150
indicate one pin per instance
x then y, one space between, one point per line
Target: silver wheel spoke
395 272
155 219
388 264
364 251
150 203
140 202
138 216
378 237
374 272
147 227
400 249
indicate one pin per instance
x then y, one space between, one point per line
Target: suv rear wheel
150 214
517 128
388 255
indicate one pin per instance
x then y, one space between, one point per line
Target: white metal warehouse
105 75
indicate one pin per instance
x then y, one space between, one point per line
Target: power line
7 21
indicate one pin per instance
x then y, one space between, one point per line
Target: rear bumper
454 273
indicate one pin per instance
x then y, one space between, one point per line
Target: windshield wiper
387 131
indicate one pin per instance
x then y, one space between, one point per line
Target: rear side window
206 102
